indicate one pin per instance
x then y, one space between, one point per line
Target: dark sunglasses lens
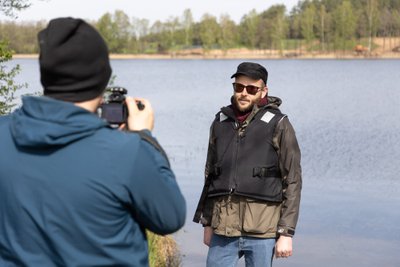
238 87
251 89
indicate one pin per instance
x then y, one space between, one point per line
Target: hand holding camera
139 119
120 111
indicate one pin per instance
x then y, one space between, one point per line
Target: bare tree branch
10 7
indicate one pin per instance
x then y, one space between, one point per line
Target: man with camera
250 201
73 190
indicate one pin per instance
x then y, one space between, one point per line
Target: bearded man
250 201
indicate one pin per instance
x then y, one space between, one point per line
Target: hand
208 232
283 247
139 119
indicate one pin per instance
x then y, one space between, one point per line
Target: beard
245 103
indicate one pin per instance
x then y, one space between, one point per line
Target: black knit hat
74 63
252 70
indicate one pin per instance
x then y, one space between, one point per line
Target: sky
152 10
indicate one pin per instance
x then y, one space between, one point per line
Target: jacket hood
43 121
274 101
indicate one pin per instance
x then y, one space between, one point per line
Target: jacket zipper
235 166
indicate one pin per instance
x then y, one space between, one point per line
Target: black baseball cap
252 70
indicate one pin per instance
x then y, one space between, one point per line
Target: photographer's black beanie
74 63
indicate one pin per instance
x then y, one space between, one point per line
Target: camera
114 109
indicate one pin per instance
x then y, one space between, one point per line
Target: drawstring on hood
42 122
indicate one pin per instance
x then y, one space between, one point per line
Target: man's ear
264 92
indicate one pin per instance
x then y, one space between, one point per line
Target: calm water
347 117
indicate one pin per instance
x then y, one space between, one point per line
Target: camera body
114 109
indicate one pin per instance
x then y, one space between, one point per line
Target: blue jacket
74 192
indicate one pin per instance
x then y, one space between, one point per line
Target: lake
346 114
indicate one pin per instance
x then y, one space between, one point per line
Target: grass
163 251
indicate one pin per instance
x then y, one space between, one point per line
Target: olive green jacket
234 215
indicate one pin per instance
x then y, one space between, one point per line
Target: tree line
311 26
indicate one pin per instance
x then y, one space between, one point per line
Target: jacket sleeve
289 161
204 209
158 204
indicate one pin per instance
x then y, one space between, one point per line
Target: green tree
229 34
209 31
107 29
295 27
273 28
345 24
140 29
116 31
171 27
22 37
187 24
322 26
8 87
123 34
7 84
279 27
158 37
385 25
396 23
372 14
249 26
307 25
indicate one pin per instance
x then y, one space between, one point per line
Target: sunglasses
251 89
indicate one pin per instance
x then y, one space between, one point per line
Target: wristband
285 232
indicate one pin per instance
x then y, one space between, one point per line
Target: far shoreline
213 56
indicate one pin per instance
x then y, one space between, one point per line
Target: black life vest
247 163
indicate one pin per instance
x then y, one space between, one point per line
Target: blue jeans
226 251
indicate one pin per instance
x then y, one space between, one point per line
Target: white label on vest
222 117
267 117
